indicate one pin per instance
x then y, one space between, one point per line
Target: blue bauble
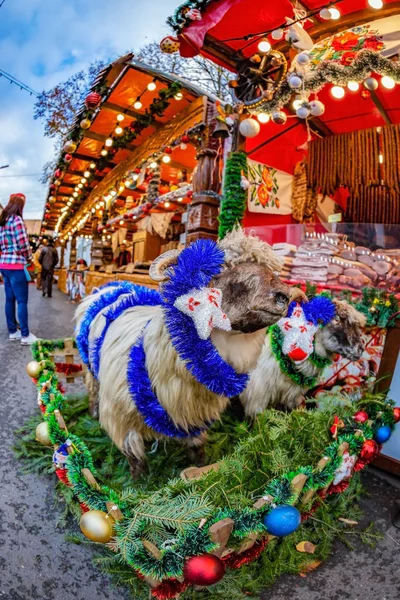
282 520
383 434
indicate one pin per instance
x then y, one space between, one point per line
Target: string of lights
15 81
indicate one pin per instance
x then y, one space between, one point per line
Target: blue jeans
16 290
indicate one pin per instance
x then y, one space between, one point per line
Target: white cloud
42 42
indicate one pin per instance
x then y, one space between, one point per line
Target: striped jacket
14 242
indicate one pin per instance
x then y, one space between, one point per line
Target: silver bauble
371 84
295 82
303 112
303 59
279 117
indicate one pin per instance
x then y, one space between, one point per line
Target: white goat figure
166 363
279 381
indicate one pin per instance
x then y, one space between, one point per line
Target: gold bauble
96 526
33 369
42 434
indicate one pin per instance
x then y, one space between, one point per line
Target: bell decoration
85 123
96 525
42 434
249 128
279 117
317 108
221 130
371 84
169 44
93 100
34 368
69 147
204 570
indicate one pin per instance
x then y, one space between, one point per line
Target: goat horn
159 265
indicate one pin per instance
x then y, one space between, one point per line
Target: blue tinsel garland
197 266
319 310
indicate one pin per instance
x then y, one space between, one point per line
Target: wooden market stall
127 173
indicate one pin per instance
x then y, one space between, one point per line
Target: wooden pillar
62 256
72 254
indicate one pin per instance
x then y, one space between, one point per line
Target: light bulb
135 177
104 152
118 130
375 3
80 185
264 46
76 188
178 96
180 199
167 204
93 210
152 86
388 82
97 206
121 223
109 142
166 158
121 188
153 165
138 105
120 118
263 117
83 180
353 86
87 173
297 103
92 165
335 13
113 193
337 91
127 182
381 158
75 194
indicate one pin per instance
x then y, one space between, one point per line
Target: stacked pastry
312 259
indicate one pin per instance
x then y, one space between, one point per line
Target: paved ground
36 562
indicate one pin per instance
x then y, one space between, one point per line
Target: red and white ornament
204 307
344 471
298 334
93 100
169 44
194 14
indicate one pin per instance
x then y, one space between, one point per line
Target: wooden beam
95 136
380 107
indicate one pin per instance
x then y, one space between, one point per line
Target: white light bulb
138 105
388 82
264 46
335 13
113 193
166 158
153 165
93 210
375 3
167 204
75 194
92 165
297 103
135 177
83 180
152 86
337 91
87 173
121 222
263 117
120 118
127 182
118 130
97 206
178 96
104 152
180 199
109 142
80 185
353 86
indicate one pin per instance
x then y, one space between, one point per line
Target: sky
43 42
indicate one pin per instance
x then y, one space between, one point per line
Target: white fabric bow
204 307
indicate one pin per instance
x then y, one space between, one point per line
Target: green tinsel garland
234 196
288 366
169 516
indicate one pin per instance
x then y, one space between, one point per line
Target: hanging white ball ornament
279 117
371 83
277 34
303 112
295 81
303 59
325 14
249 128
317 108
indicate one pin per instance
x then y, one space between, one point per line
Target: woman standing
15 254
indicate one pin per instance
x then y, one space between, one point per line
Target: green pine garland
234 196
260 460
288 366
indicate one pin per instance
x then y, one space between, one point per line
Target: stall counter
95 279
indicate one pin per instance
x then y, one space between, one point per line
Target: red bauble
93 100
52 187
185 139
137 171
361 416
369 450
168 150
68 158
204 570
297 354
57 173
396 413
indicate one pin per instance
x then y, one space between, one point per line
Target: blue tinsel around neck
197 266
319 310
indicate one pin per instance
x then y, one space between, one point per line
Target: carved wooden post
203 212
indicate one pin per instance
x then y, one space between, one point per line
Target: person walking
14 258
38 267
48 259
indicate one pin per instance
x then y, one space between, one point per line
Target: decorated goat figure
164 364
298 348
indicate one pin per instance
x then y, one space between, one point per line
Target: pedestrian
15 257
48 259
38 267
125 257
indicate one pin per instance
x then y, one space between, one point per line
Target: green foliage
234 196
379 307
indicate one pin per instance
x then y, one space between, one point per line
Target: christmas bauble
33 369
277 34
303 59
317 108
279 117
282 520
86 123
361 416
303 112
295 82
204 570
96 526
57 173
371 83
68 157
382 434
93 100
369 450
325 14
249 128
169 44
69 146
396 413
42 434
185 139
297 354
168 150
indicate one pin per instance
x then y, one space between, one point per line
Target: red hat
19 195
